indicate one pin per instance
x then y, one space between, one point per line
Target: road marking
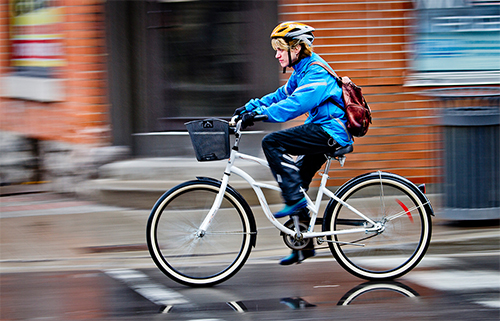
142 284
460 281
326 286
457 280
490 304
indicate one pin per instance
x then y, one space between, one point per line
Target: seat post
339 154
328 163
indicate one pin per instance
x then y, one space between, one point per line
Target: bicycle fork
215 207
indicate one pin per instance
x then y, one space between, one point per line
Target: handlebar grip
260 117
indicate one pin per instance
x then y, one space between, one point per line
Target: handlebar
236 120
260 117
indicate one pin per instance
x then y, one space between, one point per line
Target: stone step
138 183
177 169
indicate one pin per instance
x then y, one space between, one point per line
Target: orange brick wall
82 117
368 41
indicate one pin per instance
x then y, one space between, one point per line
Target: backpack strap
329 69
331 72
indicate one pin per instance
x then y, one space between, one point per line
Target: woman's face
282 56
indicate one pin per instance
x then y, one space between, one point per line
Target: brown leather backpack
358 113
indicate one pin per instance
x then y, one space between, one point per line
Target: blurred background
88 83
94 95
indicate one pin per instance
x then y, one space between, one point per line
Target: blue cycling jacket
310 89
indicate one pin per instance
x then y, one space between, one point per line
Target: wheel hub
380 226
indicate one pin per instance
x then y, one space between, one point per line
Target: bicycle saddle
341 151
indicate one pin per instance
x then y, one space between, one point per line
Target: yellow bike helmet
294 30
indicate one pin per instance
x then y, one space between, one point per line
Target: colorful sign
36 35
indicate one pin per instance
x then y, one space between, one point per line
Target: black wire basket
210 138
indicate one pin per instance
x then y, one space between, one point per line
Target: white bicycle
201 232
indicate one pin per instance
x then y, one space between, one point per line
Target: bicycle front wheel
397 241
193 258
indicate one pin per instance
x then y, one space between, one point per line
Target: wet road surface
73 260
458 288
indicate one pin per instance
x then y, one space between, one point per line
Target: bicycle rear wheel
403 235
181 252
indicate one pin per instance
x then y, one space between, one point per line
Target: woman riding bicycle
312 90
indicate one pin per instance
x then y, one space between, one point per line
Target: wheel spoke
231 232
402 213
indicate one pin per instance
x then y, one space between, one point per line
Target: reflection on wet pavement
131 292
365 293
378 292
125 293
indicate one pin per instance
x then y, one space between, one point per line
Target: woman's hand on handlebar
247 119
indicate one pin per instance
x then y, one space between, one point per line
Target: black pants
309 142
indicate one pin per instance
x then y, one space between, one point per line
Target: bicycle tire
204 260
399 245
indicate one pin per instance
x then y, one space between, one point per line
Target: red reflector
405 209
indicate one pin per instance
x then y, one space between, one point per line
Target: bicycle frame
313 206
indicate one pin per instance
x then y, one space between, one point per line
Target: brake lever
233 120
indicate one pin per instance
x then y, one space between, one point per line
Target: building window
456 42
203 61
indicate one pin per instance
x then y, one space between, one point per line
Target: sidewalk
46 231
